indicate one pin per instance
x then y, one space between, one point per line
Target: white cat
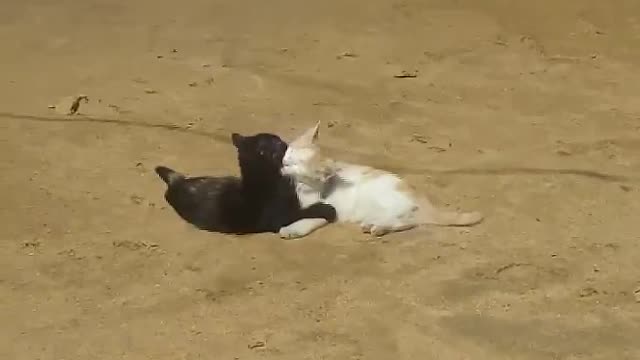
379 201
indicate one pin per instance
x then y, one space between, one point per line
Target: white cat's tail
431 215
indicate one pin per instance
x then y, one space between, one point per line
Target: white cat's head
301 155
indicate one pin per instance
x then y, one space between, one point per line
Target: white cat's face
296 160
300 153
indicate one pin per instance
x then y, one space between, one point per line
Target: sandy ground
528 112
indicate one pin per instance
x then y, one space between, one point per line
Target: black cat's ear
237 139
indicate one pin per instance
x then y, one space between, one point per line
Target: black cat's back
209 203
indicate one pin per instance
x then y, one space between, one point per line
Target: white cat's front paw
289 233
301 228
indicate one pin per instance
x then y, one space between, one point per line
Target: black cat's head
260 153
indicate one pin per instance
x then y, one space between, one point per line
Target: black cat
262 200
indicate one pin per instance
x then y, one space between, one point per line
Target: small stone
587 292
150 91
70 104
257 345
347 54
193 84
406 74
419 138
437 149
137 199
636 295
75 106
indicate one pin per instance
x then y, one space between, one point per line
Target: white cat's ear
310 136
316 132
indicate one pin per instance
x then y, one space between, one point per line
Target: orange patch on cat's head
304 158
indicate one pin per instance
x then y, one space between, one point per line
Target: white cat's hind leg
301 228
397 223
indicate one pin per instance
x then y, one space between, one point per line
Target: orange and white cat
379 201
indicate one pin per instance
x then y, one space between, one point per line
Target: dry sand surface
526 110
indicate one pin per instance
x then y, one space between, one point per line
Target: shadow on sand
224 138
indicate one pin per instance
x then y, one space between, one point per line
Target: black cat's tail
169 176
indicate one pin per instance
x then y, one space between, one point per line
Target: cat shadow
400 170
79 118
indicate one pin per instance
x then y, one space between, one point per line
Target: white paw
289 233
366 228
379 231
